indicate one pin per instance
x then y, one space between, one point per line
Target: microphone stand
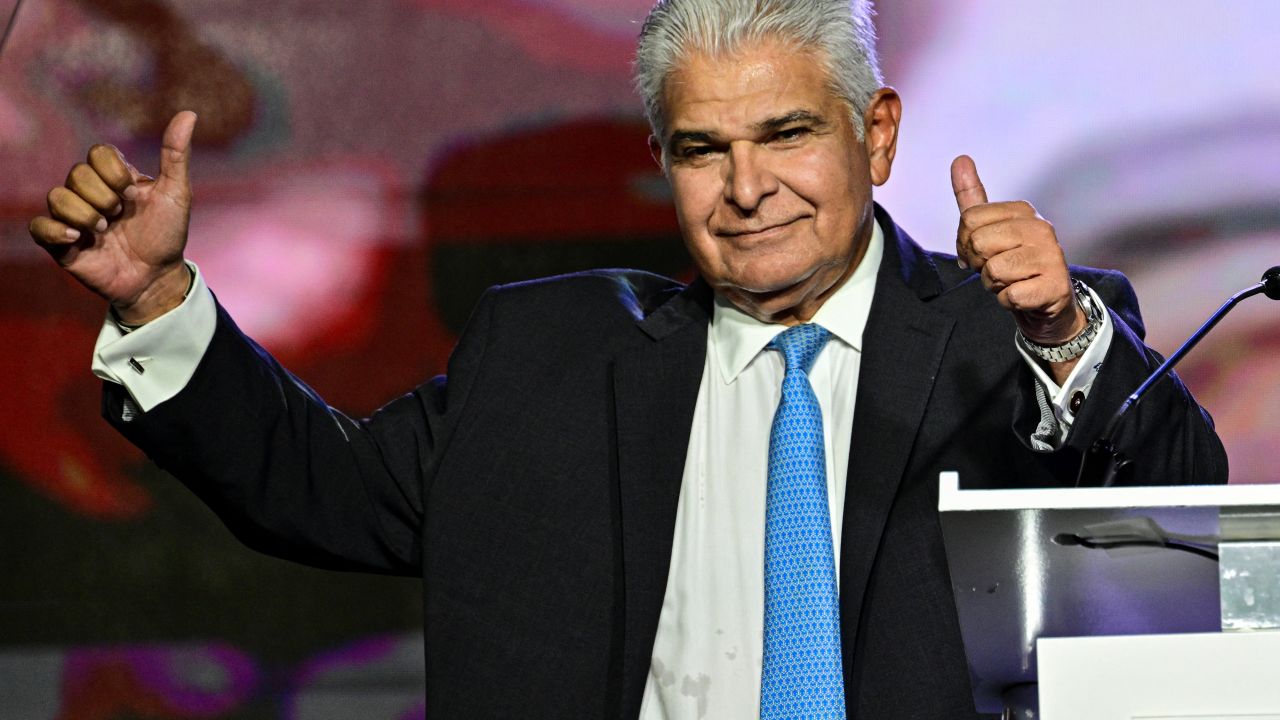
1104 464
8 26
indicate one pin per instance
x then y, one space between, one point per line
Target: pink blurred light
293 255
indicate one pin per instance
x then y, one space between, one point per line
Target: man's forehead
747 90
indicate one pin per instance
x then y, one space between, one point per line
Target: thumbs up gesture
121 233
1018 255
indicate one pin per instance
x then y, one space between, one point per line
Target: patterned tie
802 675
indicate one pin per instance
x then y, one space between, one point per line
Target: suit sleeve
291 476
1168 435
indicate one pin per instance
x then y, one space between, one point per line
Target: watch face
1085 300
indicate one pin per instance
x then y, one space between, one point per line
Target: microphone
1104 464
1271 283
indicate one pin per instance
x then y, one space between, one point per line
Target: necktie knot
800 345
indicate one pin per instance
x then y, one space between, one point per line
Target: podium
1132 602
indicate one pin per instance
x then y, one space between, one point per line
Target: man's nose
748 179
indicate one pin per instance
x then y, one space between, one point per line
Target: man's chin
773 285
789 301
770 304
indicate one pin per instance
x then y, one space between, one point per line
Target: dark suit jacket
535 491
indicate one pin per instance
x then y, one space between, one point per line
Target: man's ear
880 124
655 151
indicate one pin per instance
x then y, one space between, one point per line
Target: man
604 496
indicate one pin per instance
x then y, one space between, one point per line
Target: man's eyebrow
691 136
795 116
764 127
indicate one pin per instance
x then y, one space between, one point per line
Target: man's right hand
122 233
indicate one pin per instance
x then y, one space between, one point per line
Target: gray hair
839 31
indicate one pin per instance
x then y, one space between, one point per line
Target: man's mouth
762 230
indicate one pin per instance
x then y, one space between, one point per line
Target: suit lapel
903 345
655 390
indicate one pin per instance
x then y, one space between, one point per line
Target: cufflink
1077 400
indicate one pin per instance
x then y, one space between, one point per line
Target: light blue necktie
802 675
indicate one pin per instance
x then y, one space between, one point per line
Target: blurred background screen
364 170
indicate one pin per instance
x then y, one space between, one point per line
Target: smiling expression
772 186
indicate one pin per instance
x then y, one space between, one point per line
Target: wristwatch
1075 347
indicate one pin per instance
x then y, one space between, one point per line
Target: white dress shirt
707 654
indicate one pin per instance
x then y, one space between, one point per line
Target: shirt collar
739 338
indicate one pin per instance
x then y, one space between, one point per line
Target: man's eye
693 151
794 133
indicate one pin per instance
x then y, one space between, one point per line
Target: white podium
1114 602
1205 676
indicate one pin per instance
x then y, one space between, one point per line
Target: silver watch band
1075 347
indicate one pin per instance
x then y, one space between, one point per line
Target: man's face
772 187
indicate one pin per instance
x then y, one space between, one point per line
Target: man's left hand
1018 255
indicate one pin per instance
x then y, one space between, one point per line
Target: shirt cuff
155 361
1059 404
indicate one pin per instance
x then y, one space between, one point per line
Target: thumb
966 184
175 155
